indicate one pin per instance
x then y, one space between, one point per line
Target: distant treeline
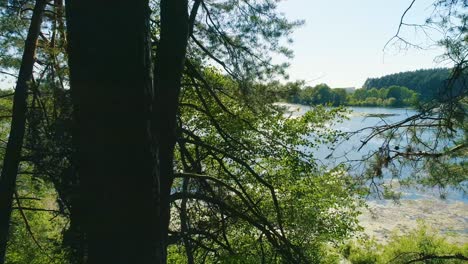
428 83
297 93
394 90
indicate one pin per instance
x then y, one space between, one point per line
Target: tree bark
110 77
170 58
18 123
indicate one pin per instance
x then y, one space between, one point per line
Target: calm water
348 151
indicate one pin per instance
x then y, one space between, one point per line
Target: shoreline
447 218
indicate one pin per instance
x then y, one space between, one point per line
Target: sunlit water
349 152
447 216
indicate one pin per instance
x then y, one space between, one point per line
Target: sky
342 41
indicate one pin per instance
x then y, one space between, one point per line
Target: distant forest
426 82
395 90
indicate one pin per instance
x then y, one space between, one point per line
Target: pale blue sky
342 40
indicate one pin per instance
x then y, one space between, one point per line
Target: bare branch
396 36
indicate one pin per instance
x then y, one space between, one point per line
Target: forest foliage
404 89
322 94
243 183
428 83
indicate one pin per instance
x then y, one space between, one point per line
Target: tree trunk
110 77
18 123
169 66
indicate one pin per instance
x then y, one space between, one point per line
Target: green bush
421 243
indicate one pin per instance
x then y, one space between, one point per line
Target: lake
449 215
348 151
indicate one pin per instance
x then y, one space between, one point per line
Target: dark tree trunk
110 74
169 66
18 123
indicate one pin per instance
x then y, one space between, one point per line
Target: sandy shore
450 218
